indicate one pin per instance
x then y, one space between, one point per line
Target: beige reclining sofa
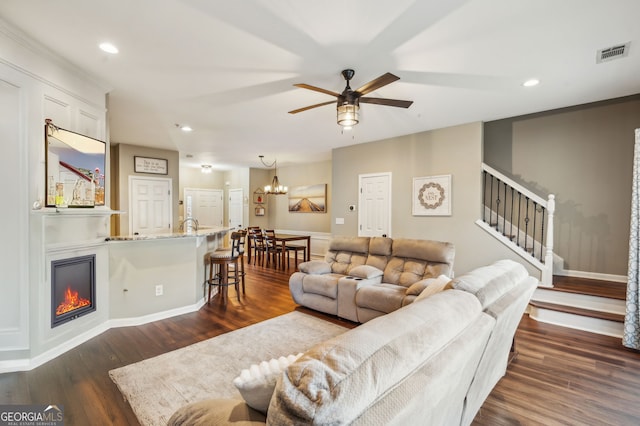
432 362
362 278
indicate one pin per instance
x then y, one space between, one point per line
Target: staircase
523 221
584 304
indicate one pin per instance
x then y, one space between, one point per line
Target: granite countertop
202 232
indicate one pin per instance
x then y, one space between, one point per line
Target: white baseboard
26 364
319 240
129 322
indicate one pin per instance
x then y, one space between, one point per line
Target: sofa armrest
365 272
315 267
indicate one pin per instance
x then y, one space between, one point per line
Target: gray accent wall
456 151
122 162
583 155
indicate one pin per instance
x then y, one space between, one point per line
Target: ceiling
227 68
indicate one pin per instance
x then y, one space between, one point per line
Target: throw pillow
365 271
256 383
435 285
315 267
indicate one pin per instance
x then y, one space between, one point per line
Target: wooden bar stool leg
224 281
210 281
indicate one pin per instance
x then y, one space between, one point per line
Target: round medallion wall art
432 196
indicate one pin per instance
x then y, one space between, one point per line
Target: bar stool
226 267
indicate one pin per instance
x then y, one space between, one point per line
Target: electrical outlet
159 290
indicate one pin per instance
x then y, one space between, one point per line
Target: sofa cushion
381 297
324 285
314 267
257 382
351 244
380 246
432 251
405 272
489 283
217 412
365 271
342 262
336 381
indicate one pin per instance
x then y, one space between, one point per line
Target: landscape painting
308 199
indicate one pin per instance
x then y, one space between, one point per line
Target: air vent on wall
611 53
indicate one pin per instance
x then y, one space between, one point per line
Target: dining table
283 239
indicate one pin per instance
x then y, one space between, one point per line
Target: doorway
235 209
150 205
205 205
374 217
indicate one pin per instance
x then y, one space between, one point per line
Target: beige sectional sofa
362 278
431 362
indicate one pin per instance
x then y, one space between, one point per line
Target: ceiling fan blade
317 89
295 111
387 102
377 83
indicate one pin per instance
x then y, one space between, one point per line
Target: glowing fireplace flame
71 302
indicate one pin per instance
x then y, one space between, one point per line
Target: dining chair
259 248
250 249
294 248
273 250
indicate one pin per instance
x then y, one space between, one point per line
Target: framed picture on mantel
156 166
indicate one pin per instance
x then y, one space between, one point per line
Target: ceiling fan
348 103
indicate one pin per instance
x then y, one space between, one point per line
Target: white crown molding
20 39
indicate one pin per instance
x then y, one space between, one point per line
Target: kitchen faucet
192 220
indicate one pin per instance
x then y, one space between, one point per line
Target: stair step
592 287
578 311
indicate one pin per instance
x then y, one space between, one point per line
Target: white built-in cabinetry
35 85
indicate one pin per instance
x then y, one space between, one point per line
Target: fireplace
73 288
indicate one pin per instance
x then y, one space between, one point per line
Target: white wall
35 85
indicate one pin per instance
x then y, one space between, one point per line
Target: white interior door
149 205
374 218
205 205
235 209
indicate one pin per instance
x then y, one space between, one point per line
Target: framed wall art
258 196
156 166
308 199
259 211
432 196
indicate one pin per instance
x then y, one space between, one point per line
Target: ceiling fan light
348 115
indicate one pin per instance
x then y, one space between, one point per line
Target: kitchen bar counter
156 274
202 232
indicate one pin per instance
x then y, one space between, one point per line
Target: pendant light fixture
275 188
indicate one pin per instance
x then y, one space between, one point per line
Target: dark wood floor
560 376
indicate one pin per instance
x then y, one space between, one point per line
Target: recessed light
186 128
108 47
532 82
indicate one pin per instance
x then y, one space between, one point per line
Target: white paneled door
235 209
205 205
150 205
374 218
